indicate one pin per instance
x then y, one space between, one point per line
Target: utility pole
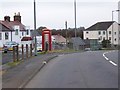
66 32
75 15
35 28
75 23
11 35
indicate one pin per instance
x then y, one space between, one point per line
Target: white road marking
108 58
105 56
113 63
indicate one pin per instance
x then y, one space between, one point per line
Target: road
79 70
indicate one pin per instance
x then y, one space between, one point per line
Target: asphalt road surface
79 70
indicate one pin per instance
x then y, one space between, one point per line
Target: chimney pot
7 18
17 17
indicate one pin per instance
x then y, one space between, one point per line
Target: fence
24 53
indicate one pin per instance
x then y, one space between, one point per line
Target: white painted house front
103 30
12 30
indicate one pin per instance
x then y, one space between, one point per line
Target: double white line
113 63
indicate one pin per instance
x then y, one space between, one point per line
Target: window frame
87 32
110 32
0 36
99 32
6 35
103 32
27 32
16 31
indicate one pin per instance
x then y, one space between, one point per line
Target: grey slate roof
77 40
101 26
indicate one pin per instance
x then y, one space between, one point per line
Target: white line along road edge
108 58
105 56
113 63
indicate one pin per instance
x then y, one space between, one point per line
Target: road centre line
108 58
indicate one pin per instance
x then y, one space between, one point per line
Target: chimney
7 18
17 17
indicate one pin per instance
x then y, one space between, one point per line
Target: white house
12 30
103 30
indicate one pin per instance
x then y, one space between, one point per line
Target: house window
0 36
87 32
16 32
100 37
99 32
115 39
22 33
103 38
119 32
27 32
109 38
103 32
109 32
6 35
115 33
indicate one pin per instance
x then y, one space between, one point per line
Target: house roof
26 39
101 25
59 38
77 40
10 24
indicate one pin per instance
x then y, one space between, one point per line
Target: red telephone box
46 39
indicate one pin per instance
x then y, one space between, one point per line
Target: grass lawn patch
11 64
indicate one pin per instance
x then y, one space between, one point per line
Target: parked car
39 47
87 49
5 49
9 45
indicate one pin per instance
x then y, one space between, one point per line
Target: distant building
103 30
76 43
59 39
12 30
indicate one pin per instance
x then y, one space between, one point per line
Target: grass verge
11 64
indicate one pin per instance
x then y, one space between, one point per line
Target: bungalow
12 30
103 30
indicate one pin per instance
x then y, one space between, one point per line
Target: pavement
8 57
18 76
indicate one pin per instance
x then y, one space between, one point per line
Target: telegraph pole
66 32
75 15
35 28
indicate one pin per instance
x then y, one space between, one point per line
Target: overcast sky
54 13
